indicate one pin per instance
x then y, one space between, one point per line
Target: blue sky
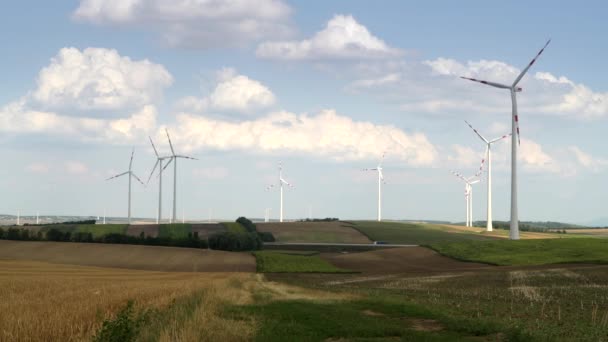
324 87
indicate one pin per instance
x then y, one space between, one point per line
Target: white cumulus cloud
194 23
342 38
326 134
233 92
98 79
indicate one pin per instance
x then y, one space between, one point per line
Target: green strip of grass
275 262
359 320
174 230
99 230
527 252
234 227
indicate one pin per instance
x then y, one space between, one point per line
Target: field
272 262
408 294
175 230
528 252
234 227
134 257
313 232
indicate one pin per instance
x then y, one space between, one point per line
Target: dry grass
53 302
313 232
151 258
501 233
43 301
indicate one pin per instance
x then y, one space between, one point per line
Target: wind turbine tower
380 181
131 175
513 89
173 158
281 183
159 163
488 154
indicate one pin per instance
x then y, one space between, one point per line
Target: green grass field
277 262
234 227
413 233
528 252
174 230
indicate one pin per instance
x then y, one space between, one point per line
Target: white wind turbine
468 191
513 89
131 175
159 162
173 158
380 181
281 183
488 154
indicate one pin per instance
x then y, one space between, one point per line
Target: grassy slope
528 252
175 230
272 262
234 227
414 233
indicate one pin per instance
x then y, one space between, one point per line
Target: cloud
17 118
342 38
326 134
233 92
38 167
98 79
588 161
75 167
194 23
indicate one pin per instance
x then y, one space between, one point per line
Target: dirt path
150 258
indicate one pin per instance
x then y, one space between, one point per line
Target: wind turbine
488 154
513 89
380 181
159 162
173 158
468 195
281 183
131 175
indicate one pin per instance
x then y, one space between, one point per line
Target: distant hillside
530 225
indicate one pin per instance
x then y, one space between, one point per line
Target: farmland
412 293
313 232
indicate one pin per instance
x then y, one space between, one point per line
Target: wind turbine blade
374 169
154 147
185 157
521 75
492 84
478 134
382 159
153 169
170 144
131 161
118 175
497 139
381 175
142 183
483 161
170 160
459 175
269 187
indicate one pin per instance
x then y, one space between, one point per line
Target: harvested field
313 232
151 258
148 230
415 260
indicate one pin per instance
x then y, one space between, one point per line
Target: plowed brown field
313 232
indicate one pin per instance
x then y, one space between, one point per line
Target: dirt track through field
150 258
415 260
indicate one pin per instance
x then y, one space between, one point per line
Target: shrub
266 236
123 328
1 233
231 241
13 234
54 234
245 222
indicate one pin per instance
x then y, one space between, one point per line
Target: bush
54 234
123 328
13 234
245 222
266 236
231 241
1 233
